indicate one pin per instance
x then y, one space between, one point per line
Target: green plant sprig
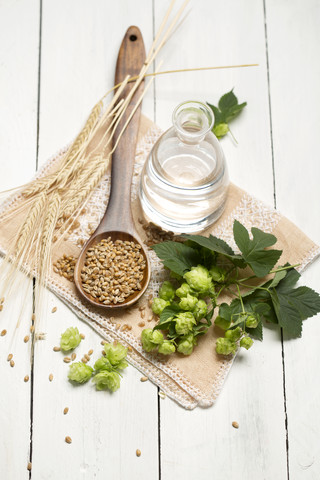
203 268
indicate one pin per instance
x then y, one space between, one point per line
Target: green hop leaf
246 342
166 348
167 291
70 339
233 334
158 305
79 372
199 279
106 380
253 251
188 303
176 256
225 346
184 323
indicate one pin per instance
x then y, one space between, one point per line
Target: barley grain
235 424
26 339
10 356
90 351
138 452
143 379
67 359
29 466
56 349
3 333
68 439
12 363
26 378
50 377
73 356
82 335
54 310
66 410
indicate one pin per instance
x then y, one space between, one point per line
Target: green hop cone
102 364
166 348
224 346
184 290
167 291
188 303
217 274
198 279
106 380
246 342
252 321
220 130
184 323
158 305
151 339
222 322
200 310
70 339
79 372
233 334
186 344
115 353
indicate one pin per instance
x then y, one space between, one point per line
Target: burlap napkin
197 379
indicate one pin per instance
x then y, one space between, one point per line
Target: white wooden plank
293 38
79 44
19 36
202 443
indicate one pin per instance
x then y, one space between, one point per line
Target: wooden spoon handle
130 61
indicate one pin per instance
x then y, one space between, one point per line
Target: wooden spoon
117 222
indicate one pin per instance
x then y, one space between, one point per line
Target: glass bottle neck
192 121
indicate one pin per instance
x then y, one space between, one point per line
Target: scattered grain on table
29 466
144 379
90 351
54 310
3 332
56 349
73 356
50 377
138 452
26 379
12 363
82 335
68 439
9 357
235 424
67 359
65 410
26 339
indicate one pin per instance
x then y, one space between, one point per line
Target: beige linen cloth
194 380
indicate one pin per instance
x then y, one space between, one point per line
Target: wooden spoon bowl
117 222
115 235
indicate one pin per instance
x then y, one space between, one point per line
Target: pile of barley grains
113 270
64 266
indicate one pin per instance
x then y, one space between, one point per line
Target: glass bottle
184 182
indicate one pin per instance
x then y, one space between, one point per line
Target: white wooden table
56 59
